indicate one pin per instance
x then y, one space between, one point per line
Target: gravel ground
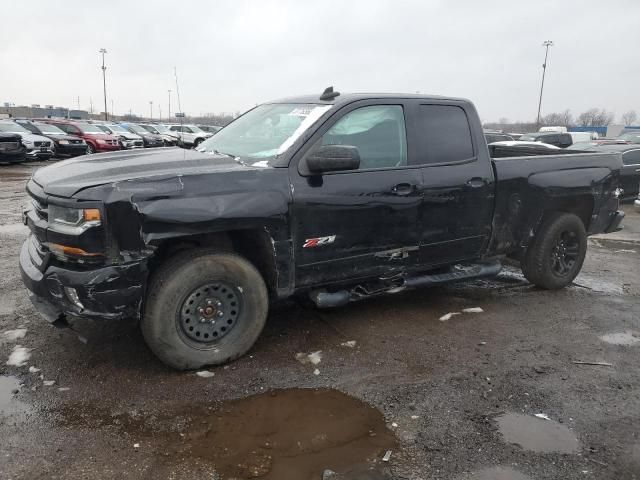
460 395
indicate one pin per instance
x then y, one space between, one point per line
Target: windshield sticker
314 115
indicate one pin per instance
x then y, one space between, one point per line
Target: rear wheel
557 253
204 308
197 142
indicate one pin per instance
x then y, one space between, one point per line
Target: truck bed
529 185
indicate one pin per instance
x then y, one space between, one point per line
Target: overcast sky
231 55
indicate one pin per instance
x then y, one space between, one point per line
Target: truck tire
557 252
204 307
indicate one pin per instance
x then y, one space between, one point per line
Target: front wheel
557 252
90 149
204 308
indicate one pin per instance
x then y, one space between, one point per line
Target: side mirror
333 158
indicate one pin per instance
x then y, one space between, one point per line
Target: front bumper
43 153
106 293
614 226
130 144
13 156
71 149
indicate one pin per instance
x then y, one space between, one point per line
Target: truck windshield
264 132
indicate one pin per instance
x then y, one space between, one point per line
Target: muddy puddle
536 434
9 404
622 338
498 473
292 434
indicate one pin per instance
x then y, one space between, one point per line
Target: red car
97 140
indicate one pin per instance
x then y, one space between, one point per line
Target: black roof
345 98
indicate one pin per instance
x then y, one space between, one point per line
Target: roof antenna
329 94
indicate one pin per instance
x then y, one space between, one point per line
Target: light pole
150 110
169 115
546 44
104 83
160 111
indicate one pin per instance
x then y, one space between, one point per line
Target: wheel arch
254 244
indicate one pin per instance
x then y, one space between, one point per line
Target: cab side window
443 135
378 132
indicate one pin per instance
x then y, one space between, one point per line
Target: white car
190 135
128 139
38 147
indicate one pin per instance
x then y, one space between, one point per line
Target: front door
359 223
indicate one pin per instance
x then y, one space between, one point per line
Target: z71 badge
318 242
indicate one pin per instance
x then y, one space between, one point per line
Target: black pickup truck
334 197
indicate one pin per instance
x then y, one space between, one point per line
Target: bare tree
629 117
595 118
560 118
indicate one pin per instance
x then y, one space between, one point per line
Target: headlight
63 142
27 142
101 141
73 220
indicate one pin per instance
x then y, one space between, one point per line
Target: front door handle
476 182
403 189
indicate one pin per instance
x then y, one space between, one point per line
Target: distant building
49 111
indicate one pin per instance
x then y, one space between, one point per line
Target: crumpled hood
66 178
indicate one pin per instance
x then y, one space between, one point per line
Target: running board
323 299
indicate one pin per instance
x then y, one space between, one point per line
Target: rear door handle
403 189
476 182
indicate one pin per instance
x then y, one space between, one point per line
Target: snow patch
19 356
205 374
350 344
448 316
313 358
473 310
13 335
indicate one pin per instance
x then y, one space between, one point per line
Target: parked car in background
169 138
492 137
559 139
594 143
12 149
97 141
64 145
128 140
553 129
632 136
209 128
38 147
522 143
630 173
583 136
190 135
149 139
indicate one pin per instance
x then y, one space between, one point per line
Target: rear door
457 186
